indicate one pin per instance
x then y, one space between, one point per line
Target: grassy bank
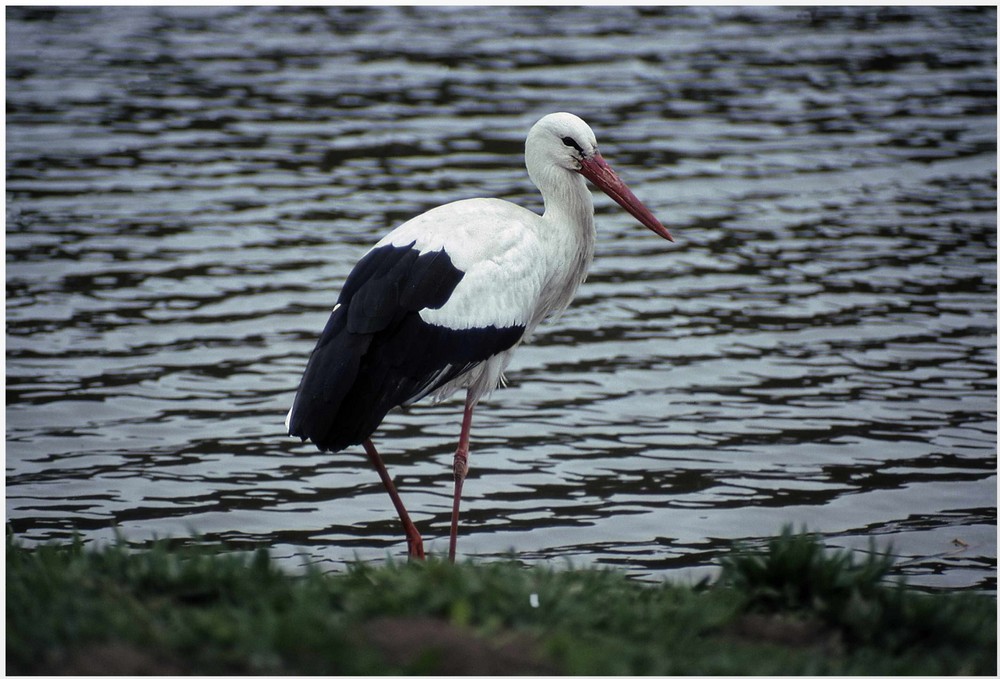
793 608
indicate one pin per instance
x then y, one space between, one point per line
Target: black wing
376 352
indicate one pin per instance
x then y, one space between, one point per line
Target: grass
793 607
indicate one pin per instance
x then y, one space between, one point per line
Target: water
188 188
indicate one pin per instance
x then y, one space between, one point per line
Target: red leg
415 544
461 469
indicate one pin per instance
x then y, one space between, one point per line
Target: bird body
496 245
442 302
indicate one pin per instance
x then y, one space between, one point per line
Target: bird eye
569 141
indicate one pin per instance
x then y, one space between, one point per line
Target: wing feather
379 348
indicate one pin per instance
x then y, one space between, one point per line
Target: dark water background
188 187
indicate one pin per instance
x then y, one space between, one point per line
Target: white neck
568 201
568 232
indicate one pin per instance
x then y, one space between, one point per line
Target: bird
442 302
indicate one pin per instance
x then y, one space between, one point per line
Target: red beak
600 173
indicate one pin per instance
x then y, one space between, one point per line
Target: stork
442 302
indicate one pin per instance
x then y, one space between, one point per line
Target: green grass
792 608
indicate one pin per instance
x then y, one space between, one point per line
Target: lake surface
187 189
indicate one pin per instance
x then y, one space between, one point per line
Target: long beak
600 173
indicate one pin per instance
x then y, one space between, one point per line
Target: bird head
563 140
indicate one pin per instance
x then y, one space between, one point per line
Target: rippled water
188 188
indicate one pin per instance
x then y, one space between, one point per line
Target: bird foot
415 548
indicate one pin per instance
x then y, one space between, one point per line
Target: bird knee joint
461 467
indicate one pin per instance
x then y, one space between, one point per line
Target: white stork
441 302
